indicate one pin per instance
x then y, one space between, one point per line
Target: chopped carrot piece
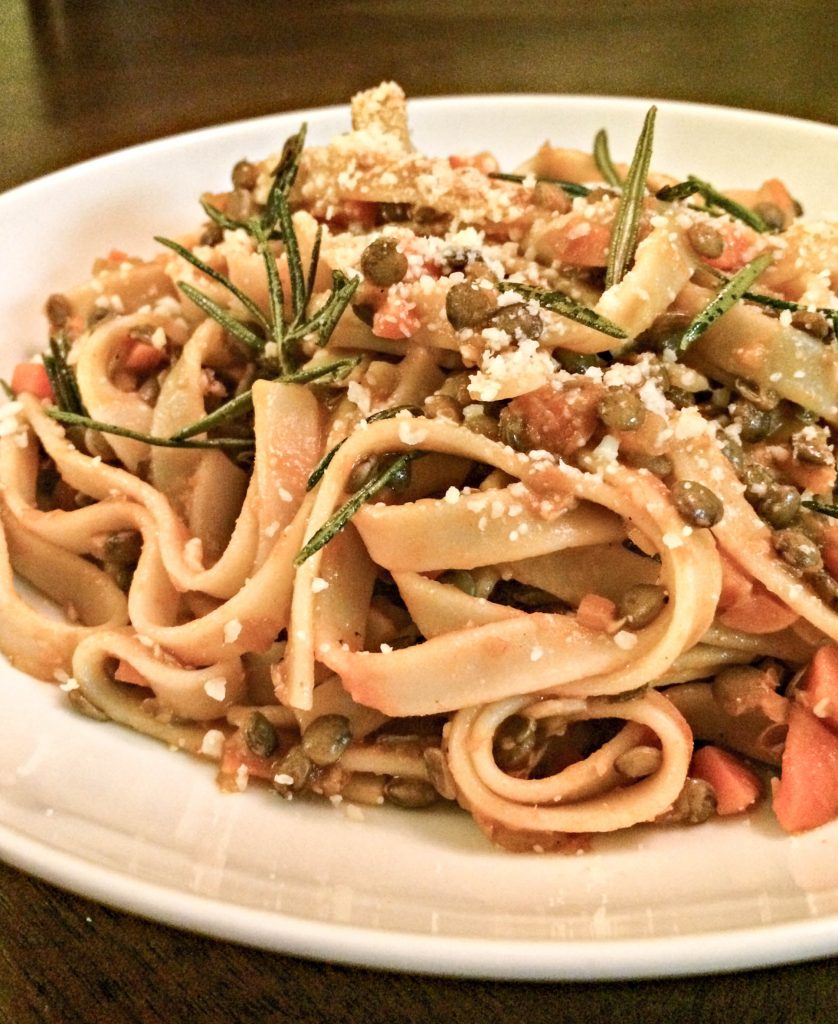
746 605
143 357
126 673
736 786
807 792
597 612
31 378
819 688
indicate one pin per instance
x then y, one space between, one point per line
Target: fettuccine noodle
373 489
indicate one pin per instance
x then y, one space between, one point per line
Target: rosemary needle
244 402
564 305
75 420
727 296
713 198
630 208
573 188
382 414
602 158
338 521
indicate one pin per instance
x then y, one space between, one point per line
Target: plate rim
688 953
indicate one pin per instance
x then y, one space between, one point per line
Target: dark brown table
83 77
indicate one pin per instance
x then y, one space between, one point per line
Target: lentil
697 504
326 738
780 505
468 305
798 550
259 735
639 762
245 175
812 323
706 240
295 766
410 794
382 263
621 409
641 604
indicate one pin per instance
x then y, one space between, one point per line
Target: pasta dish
413 480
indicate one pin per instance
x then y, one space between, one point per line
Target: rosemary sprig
572 188
630 207
323 322
77 420
221 219
243 403
382 414
337 522
602 158
313 265
8 391
223 317
775 303
565 306
62 379
284 177
222 279
295 261
727 296
713 198
824 510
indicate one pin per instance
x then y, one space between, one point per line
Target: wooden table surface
84 77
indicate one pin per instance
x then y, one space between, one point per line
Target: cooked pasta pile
407 480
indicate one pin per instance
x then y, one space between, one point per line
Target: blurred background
81 77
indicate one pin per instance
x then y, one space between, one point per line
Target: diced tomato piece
143 357
395 319
560 422
31 378
740 245
807 793
580 241
484 162
819 688
737 787
596 612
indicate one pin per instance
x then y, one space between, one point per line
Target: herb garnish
772 302
630 208
572 188
75 420
61 377
335 523
824 510
727 296
714 199
256 332
602 158
564 305
382 414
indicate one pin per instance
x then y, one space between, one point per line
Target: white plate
122 819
